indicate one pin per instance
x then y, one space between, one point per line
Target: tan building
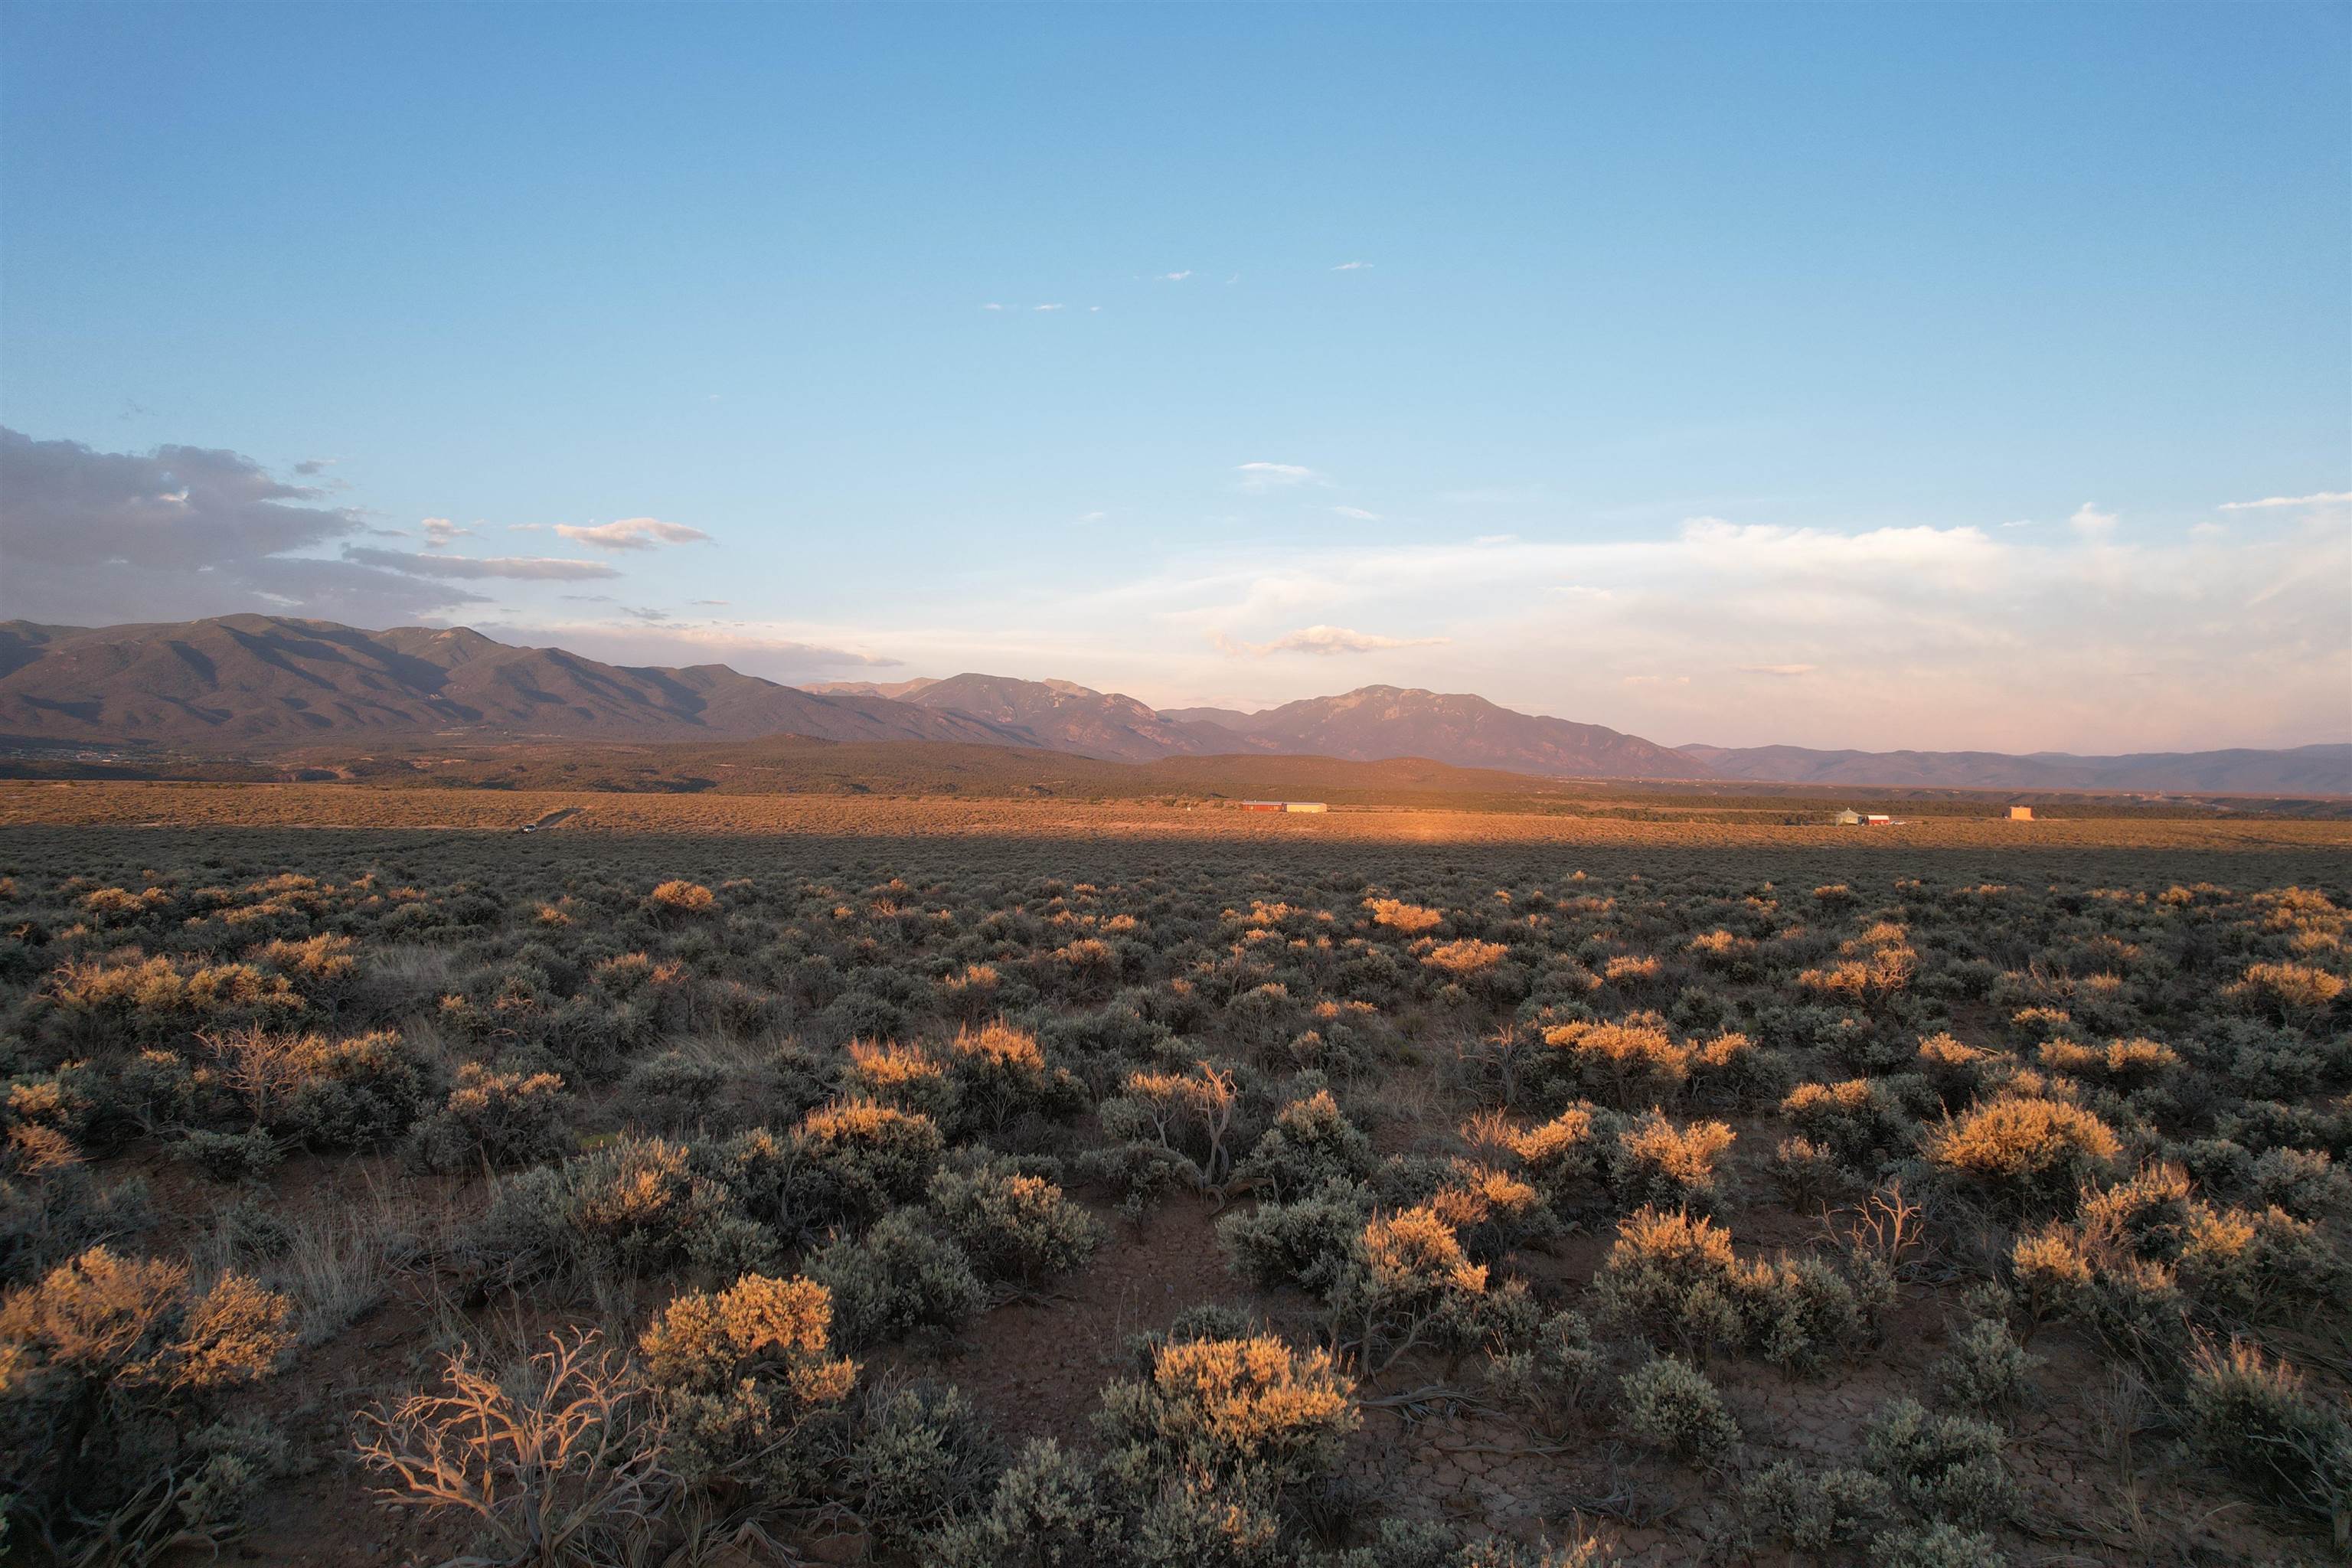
2020 814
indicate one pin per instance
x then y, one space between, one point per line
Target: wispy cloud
1045 307
440 531
1175 277
991 307
1779 669
1094 517
1324 640
2324 498
525 568
1352 267
1268 475
1358 513
632 534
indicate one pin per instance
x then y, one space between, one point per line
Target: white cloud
1351 267
1175 277
1267 476
632 534
1358 513
1045 307
440 531
2091 523
1094 517
2324 498
1325 640
991 307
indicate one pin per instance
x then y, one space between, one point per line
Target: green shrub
1947 1466
673 1088
1935 1545
2249 1417
1311 1145
922 1457
855 1159
1552 1377
1985 1369
1670 1405
247 1156
1308 1242
1859 1121
897 1279
1812 1511
1047 1511
495 1118
1013 1227
637 1207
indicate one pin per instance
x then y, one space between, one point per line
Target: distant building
1284 806
1849 817
1877 819
2020 814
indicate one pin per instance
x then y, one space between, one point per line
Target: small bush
2249 1417
1947 1466
2023 1150
896 1280
1937 1545
1232 1407
1310 1145
1669 1404
497 1118
247 1156
1012 1228
1308 1242
108 1366
1985 1369
748 1386
682 899
1655 1162
855 1158
922 1457
1812 1512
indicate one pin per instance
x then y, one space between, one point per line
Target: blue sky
1841 375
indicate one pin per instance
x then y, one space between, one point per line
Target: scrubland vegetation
393 1195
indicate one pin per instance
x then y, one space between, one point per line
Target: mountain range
254 682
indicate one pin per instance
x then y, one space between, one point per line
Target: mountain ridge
261 681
